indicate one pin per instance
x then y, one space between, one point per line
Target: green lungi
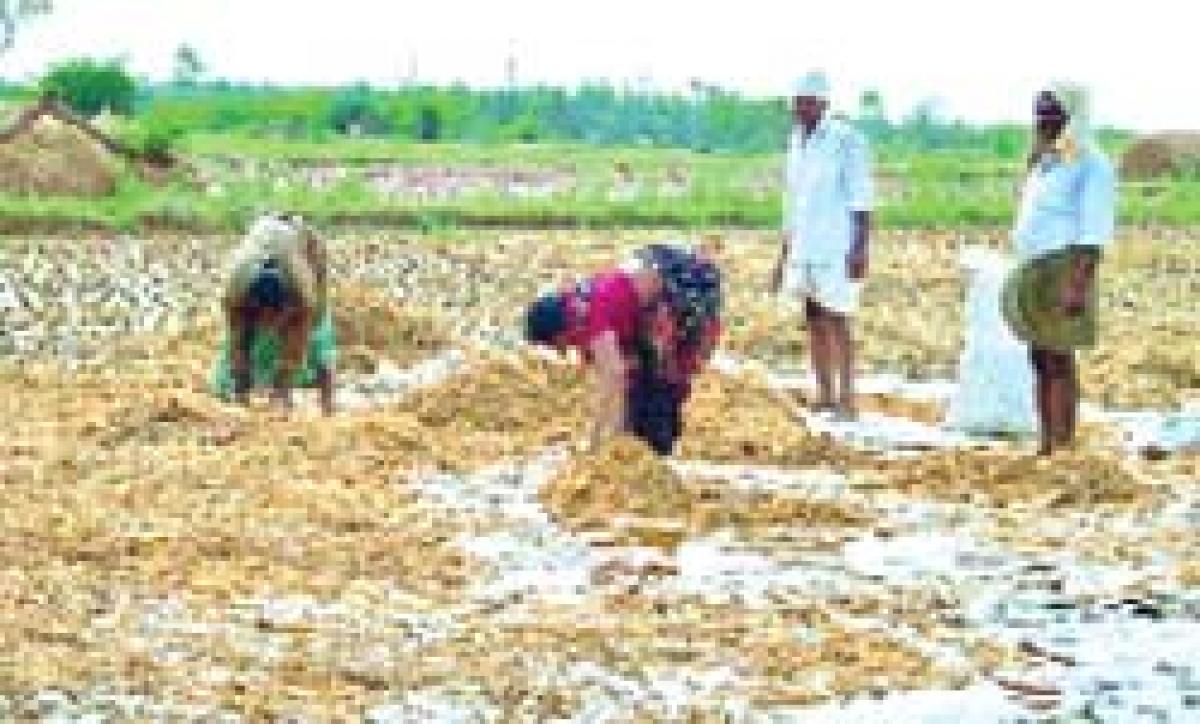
1032 302
264 358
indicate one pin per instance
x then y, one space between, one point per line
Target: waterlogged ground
442 550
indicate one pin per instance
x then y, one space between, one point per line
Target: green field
930 190
717 164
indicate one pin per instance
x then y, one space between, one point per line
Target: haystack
49 150
372 327
1162 155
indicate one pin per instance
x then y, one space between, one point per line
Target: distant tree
1009 142
872 118
188 66
429 124
358 110
722 120
13 12
870 106
924 125
709 119
89 86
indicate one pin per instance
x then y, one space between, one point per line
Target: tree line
709 119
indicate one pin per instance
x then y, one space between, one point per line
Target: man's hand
857 259
856 262
776 281
1074 298
1078 284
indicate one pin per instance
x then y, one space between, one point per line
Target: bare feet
846 413
823 406
281 399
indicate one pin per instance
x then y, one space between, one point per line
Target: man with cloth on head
1066 218
826 223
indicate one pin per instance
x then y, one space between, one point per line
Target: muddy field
440 550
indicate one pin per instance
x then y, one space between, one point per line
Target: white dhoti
826 283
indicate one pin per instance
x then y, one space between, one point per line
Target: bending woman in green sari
279 326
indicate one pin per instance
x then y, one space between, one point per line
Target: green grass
136 208
351 151
590 162
917 191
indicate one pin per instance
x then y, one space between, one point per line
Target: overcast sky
983 59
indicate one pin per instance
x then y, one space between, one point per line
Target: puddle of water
389 383
1140 429
923 557
664 691
606 695
534 562
1168 432
720 571
503 492
881 432
1006 598
983 703
821 484
532 556
933 391
872 430
103 705
1122 669
434 706
797 379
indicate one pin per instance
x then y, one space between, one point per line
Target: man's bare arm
1079 283
860 250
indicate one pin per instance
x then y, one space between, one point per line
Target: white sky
983 59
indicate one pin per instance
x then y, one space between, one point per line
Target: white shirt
828 178
1065 204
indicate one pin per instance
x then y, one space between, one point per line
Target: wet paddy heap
442 550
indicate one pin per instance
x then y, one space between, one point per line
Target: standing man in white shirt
1066 219
827 220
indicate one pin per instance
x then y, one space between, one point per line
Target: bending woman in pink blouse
645 330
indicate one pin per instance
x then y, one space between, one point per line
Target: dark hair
545 319
1047 98
268 289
